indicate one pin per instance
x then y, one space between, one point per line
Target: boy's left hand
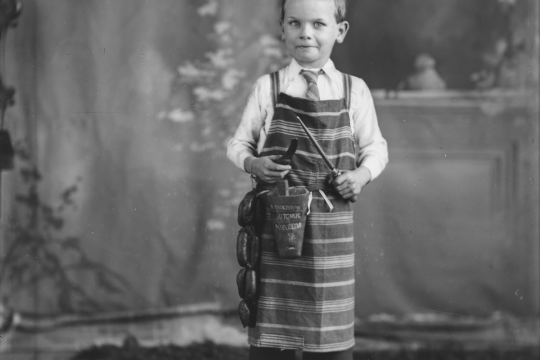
350 183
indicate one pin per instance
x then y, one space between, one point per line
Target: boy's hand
265 169
350 183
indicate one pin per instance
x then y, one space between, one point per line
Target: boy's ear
282 30
343 28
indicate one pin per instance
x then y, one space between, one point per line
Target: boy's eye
319 24
294 23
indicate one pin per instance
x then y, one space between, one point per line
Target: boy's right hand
266 169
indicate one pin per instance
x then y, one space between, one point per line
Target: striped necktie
311 78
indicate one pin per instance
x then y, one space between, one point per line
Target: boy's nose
305 32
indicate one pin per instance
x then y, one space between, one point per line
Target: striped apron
308 303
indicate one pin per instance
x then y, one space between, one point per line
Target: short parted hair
341 10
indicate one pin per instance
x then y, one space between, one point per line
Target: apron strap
274 79
347 85
328 202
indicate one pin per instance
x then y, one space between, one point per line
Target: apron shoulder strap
274 77
347 85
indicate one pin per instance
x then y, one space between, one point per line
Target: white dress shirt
249 138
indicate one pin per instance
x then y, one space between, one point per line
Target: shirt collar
329 70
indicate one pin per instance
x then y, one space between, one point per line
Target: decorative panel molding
450 224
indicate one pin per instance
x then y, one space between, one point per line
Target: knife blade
286 158
335 172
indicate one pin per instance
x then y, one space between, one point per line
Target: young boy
308 303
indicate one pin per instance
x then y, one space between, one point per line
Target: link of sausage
241 283
251 286
246 209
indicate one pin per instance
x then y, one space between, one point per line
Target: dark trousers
257 353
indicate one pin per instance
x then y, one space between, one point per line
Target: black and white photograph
269 179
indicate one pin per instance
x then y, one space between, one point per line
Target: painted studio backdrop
122 197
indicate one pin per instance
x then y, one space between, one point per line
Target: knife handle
335 174
282 161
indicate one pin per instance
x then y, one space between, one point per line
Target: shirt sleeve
372 147
246 137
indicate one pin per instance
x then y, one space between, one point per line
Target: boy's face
310 31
